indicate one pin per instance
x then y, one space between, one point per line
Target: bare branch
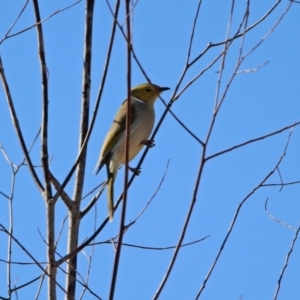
45 159
127 137
7 36
253 140
282 184
93 201
287 259
26 284
275 219
16 20
74 212
253 69
150 247
193 31
4 195
153 196
237 35
60 231
64 196
270 31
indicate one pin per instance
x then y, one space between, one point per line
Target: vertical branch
100 90
11 220
218 103
193 32
287 259
127 141
222 66
99 95
11 229
74 212
50 204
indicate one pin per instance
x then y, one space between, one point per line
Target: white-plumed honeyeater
142 117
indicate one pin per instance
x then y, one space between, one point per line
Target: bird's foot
136 171
148 143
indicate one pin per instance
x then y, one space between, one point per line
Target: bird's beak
161 89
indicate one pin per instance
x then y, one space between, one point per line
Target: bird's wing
118 127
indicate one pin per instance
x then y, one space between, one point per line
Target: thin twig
253 140
235 36
26 284
287 259
60 231
150 247
155 193
15 21
93 190
32 26
224 56
282 184
275 219
193 31
64 196
179 94
253 69
93 201
11 219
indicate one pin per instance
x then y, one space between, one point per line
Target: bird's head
147 92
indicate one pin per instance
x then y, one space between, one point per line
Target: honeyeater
142 118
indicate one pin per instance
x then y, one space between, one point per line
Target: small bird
113 150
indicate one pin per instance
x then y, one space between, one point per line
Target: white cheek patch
137 99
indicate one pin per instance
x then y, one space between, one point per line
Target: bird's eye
148 90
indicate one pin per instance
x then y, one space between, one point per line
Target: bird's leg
136 171
148 143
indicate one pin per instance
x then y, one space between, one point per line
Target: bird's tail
111 176
98 167
110 197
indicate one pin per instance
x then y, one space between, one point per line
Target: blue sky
256 104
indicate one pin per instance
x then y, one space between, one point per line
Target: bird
142 115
